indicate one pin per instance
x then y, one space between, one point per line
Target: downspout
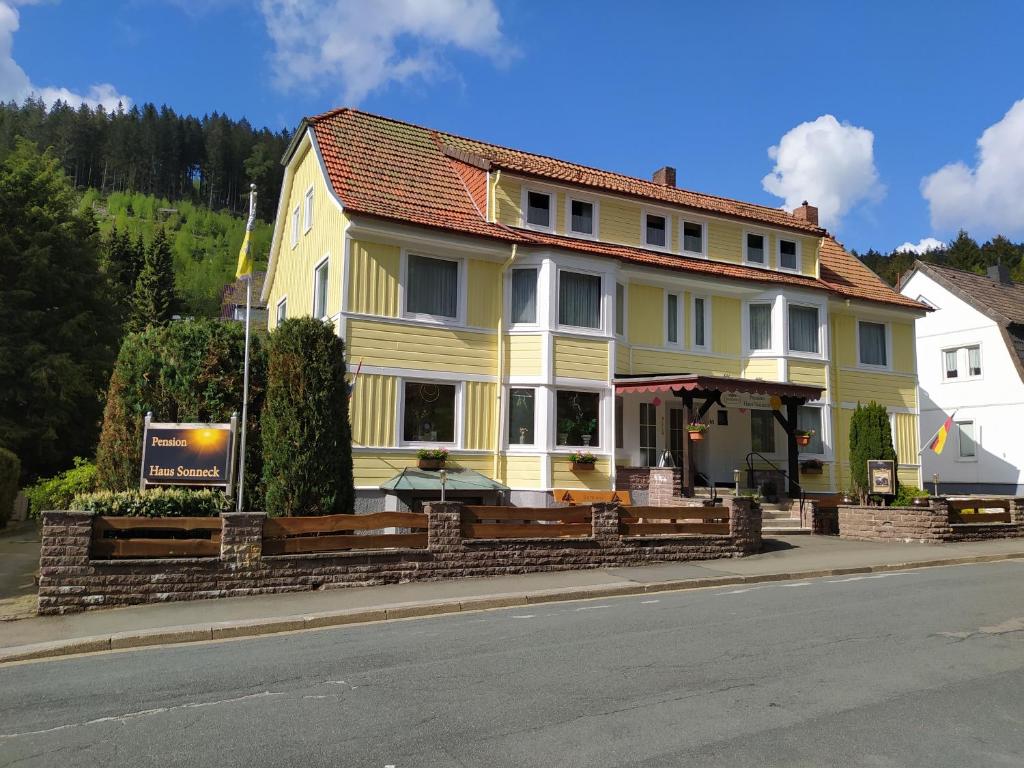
501 359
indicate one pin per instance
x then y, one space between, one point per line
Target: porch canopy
692 386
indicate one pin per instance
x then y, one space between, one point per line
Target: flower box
583 461
430 463
431 458
583 466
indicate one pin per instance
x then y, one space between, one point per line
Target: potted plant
431 458
582 461
565 427
803 436
769 491
811 467
586 428
697 430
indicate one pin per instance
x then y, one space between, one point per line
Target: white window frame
683 221
556 319
747 342
888 346
295 225
775 451
307 211
824 433
537 322
822 324
460 391
796 269
640 434
707 322
667 216
538 437
524 209
963 363
605 419
960 458
463 288
326 263
282 309
680 315
593 201
625 310
766 250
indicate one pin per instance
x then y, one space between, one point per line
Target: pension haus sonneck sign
188 454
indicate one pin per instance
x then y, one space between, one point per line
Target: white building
970 362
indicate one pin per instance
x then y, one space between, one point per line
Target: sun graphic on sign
208 440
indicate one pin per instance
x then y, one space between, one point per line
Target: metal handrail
773 465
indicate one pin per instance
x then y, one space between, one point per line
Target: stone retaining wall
923 525
71 581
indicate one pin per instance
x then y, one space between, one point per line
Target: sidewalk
19 559
785 558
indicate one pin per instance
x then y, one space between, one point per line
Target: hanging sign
747 400
188 454
881 476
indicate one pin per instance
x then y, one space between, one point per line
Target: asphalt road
915 668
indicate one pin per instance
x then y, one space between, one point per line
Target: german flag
939 441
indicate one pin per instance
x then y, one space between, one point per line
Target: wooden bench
575 498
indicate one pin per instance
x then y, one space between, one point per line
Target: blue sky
876 108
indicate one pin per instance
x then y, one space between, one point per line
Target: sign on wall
882 476
749 400
188 454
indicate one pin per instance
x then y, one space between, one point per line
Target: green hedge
307 443
188 371
870 439
57 492
157 502
10 471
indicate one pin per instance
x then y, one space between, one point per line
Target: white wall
994 401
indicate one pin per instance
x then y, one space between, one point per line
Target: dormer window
693 238
788 254
655 227
538 209
754 249
581 217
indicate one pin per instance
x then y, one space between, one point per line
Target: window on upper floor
307 211
672 319
521 410
620 309
693 238
524 295
538 209
789 253
581 217
753 248
808 418
655 230
282 310
320 290
578 417
579 299
432 287
760 326
961 363
429 412
700 322
762 431
295 226
803 329
873 344
966 439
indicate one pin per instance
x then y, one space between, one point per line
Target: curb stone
257 627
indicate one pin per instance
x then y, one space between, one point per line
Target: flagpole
928 442
245 375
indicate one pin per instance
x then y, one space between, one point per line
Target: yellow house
516 309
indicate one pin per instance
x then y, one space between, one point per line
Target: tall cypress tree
870 439
154 290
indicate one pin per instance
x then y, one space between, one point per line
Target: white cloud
829 164
989 196
924 245
359 46
15 84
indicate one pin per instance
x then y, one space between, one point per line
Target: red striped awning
699 384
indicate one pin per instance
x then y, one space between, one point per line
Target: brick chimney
808 213
666 176
998 273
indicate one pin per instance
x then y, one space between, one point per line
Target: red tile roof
394 170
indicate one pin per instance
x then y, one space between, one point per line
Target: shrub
870 439
157 502
906 495
57 492
432 454
10 471
189 371
307 444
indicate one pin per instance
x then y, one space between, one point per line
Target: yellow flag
245 258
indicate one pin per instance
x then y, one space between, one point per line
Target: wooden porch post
687 449
794 450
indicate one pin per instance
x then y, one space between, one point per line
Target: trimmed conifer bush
307 442
870 439
188 371
10 472
156 502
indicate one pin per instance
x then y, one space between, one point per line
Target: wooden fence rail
674 521
154 537
526 522
332 533
974 511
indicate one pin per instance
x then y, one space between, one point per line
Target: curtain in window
620 309
872 344
656 230
809 418
803 329
648 434
974 360
672 311
698 322
760 326
521 406
538 209
524 295
433 287
579 300
755 248
693 238
950 357
582 217
762 431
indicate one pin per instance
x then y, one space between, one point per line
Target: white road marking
592 607
797 584
526 616
740 591
649 602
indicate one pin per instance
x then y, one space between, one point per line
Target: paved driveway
19 560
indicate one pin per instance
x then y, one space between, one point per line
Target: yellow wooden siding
841 446
910 476
622 357
725 325
581 358
484 301
373 278
478 417
809 255
597 479
372 410
905 437
372 469
806 372
904 355
885 388
654 362
520 472
524 354
422 347
725 241
619 222
507 201
766 368
817 483
646 315
293 278
844 340
559 202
